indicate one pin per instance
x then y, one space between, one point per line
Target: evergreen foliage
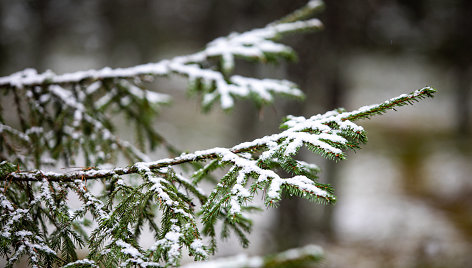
62 117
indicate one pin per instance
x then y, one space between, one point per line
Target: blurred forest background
404 200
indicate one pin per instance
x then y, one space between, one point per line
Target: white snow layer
257 262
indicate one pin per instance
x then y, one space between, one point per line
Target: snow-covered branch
317 131
256 44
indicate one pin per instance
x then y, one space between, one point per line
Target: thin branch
296 125
313 6
376 109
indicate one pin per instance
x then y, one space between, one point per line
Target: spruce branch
255 44
316 131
